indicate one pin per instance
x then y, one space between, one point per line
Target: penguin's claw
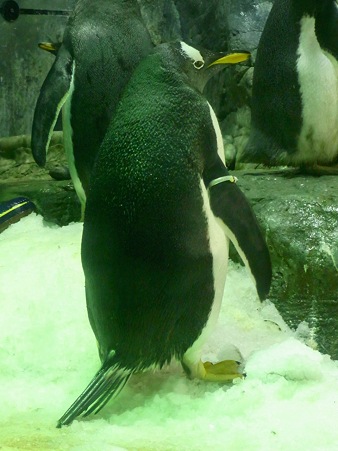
224 371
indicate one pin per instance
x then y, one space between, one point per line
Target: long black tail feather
107 382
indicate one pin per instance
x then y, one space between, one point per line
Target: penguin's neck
308 7
179 78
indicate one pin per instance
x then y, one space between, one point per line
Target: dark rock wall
246 20
23 66
299 218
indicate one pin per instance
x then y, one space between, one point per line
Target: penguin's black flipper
229 204
53 95
107 382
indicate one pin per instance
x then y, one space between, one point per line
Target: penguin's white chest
219 248
318 80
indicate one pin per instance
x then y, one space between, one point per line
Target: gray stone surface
23 66
16 161
299 218
246 20
55 200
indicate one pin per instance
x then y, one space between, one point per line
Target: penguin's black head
197 66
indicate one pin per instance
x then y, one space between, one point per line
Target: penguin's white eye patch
198 64
193 54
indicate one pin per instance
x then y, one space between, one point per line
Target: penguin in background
160 211
103 43
295 88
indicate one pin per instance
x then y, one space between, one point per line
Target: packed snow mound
288 401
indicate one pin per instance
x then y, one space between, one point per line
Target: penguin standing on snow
295 87
160 211
103 43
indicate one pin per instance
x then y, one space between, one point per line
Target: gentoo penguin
102 44
295 87
159 214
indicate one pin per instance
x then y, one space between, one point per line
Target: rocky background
298 215
215 24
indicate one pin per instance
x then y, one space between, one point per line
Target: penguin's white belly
219 247
318 79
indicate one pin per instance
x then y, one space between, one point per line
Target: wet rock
235 130
162 20
204 23
16 160
195 21
56 201
60 173
299 218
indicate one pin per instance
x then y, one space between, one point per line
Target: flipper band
226 178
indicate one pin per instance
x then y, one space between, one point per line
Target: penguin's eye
198 64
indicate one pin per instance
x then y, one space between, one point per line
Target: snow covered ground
288 401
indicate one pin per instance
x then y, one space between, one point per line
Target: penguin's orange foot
224 371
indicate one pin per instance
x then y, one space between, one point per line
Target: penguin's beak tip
232 58
48 46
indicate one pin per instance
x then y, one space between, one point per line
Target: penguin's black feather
107 383
52 96
102 44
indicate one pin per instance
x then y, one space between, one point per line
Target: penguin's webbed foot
226 370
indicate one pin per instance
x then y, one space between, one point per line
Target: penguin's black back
327 26
276 103
107 39
145 247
